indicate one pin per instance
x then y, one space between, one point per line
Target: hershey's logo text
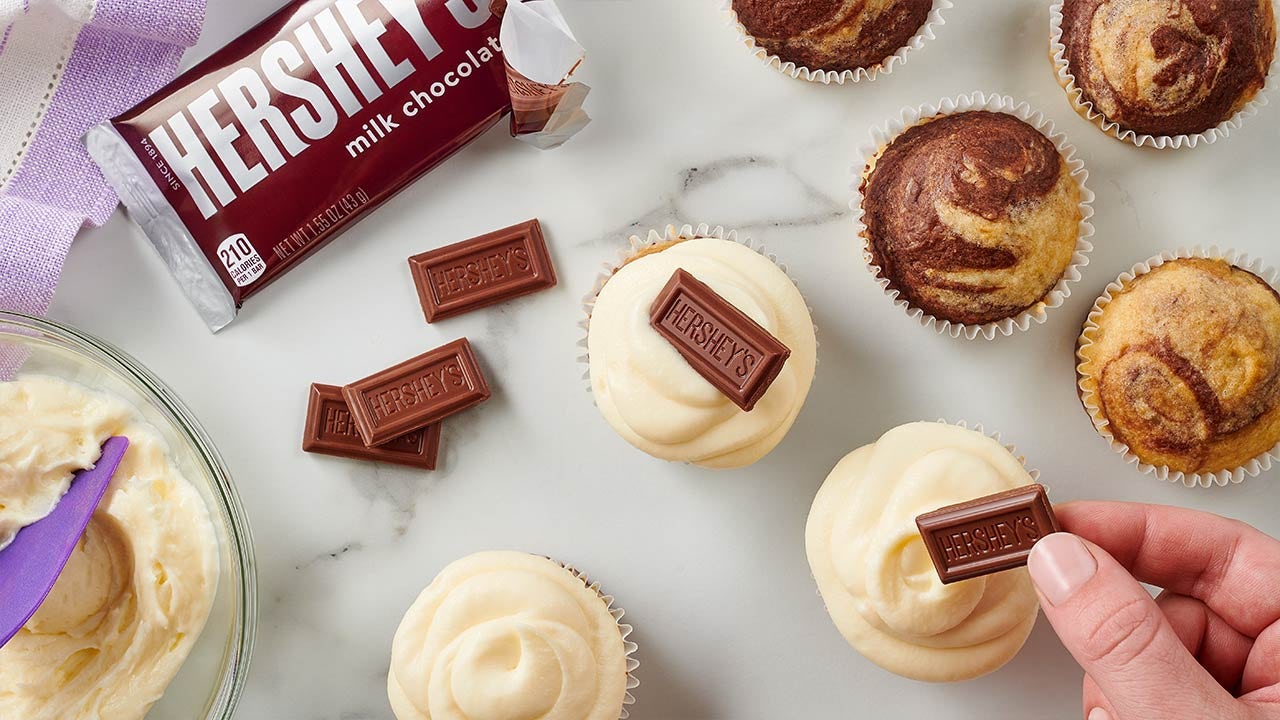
995 536
488 268
339 424
328 45
439 379
713 341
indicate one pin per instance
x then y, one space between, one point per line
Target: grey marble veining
709 566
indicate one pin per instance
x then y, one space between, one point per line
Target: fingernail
1099 714
1060 565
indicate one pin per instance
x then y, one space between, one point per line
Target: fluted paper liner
1061 68
840 77
1089 399
655 241
629 648
1038 313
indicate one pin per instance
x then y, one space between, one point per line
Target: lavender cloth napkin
66 65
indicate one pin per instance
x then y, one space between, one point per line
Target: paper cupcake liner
1038 313
629 648
1058 53
827 77
652 240
1089 399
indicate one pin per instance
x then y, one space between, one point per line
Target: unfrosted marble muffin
508 636
654 398
874 572
834 35
971 217
1183 366
1168 67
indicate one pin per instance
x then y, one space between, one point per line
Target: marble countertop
709 565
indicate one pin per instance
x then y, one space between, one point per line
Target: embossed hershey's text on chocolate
416 393
331 430
987 535
482 271
732 351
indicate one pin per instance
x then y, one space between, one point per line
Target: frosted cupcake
651 395
874 572
510 636
1180 367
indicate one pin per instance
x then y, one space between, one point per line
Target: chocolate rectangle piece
330 430
987 535
732 351
482 271
416 393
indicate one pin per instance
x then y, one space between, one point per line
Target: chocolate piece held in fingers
987 535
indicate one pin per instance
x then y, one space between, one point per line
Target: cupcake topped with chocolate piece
1183 366
873 568
1168 67
700 350
833 35
971 217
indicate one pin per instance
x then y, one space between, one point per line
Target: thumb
1116 632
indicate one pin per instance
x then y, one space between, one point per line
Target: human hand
1208 647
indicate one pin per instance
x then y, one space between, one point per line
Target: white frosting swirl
874 572
651 395
135 594
507 636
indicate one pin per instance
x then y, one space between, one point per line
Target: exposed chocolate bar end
330 430
732 351
987 535
483 271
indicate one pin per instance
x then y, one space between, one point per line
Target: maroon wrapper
258 156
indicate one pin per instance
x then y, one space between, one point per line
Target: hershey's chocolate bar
732 351
331 430
482 271
987 535
418 392
261 154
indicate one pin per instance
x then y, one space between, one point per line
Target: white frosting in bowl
654 398
507 636
874 572
136 593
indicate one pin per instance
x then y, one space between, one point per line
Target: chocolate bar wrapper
258 156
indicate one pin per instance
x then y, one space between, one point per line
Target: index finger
1230 566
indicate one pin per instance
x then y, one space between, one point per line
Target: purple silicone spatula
31 564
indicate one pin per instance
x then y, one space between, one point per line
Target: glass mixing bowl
210 682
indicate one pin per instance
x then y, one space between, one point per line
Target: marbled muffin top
832 34
1168 67
1185 366
972 217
